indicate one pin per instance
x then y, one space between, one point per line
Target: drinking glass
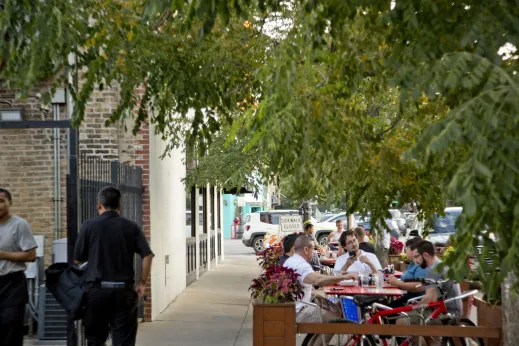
364 279
379 281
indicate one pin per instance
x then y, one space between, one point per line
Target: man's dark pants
111 309
13 297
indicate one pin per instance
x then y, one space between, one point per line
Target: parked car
330 222
444 226
258 224
400 220
323 229
327 217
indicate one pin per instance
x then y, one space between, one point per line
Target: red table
364 290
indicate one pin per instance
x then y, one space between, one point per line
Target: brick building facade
27 161
27 169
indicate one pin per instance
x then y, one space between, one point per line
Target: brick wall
94 137
118 143
26 161
27 168
137 151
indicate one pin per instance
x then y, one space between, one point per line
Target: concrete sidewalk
214 310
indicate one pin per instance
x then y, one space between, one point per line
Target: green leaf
482 169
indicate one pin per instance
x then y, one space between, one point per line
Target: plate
349 283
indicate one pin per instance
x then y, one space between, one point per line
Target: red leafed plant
270 256
396 247
277 285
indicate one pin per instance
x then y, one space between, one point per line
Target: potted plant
270 256
274 294
446 252
276 285
395 249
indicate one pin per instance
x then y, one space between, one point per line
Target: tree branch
163 19
239 87
392 126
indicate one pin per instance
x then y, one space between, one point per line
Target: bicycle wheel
339 339
469 341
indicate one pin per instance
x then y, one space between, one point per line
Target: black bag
67 284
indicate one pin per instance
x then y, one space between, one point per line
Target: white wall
168 219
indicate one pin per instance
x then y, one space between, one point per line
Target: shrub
396 247
447 252
270 256
277 285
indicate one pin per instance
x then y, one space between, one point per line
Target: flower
271 255
277 285
396 247
446 252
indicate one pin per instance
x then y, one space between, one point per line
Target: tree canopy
373 98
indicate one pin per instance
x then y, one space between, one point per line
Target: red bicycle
373 312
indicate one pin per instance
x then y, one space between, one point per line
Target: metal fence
203 252
219 244
206 237
190 260
96 173
212 247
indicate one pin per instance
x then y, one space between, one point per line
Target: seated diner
355 260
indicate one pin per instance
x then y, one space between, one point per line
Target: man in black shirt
360 233
108 243
288 247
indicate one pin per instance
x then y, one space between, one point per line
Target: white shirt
357 266
334 236
303 268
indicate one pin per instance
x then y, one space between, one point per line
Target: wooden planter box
274 324
394 259
489 315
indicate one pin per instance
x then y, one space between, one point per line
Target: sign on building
290 223
241 202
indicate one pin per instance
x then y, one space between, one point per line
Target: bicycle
373 312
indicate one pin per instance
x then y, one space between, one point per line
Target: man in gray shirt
17 246
426 258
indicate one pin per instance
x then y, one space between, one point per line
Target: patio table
363 290
330 262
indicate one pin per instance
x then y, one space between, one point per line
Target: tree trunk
351 223
381 253
307 211
510 304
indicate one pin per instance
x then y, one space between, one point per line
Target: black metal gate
96 173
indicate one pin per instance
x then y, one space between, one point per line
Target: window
274 219
264 218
